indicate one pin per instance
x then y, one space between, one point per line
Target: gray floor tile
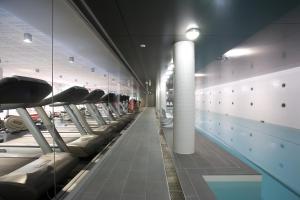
134 168
132 197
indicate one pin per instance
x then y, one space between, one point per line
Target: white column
157 91
184 98
163 97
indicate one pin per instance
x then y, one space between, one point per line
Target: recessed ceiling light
142 45
71 60
192 33
27 38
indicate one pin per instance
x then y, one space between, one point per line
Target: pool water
270 187
236 190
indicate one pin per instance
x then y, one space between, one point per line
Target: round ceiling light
192 33
27 38
71 60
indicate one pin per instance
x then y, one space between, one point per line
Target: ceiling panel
159 23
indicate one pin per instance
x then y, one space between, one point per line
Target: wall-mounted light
142 45
149 82
27 38
192 33
71 59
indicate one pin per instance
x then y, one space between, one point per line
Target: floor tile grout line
76 191
123 139
123 187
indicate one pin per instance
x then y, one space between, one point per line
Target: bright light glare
192 33
171 67
238 52
168 73
200 75
27 41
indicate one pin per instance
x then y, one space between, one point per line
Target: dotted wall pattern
259 118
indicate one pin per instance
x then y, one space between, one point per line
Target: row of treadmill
23 178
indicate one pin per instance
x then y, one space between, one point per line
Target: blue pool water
271 189
236 190
270 149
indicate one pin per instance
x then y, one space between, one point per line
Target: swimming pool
231 141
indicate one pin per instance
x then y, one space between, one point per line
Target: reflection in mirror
65 98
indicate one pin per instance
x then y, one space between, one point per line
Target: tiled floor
209 159
134 168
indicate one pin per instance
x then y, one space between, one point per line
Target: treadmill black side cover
110 98
94 96
71 95
19 89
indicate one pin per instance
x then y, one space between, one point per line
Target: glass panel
59 120
25 79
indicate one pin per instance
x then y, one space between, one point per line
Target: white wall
267 93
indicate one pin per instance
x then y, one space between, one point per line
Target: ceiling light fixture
27 38
192 33
142 45
71 60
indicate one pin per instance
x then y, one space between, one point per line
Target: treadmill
90 100
107 102
124 107
34 178
114 104
88 143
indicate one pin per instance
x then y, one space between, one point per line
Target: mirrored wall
62 91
